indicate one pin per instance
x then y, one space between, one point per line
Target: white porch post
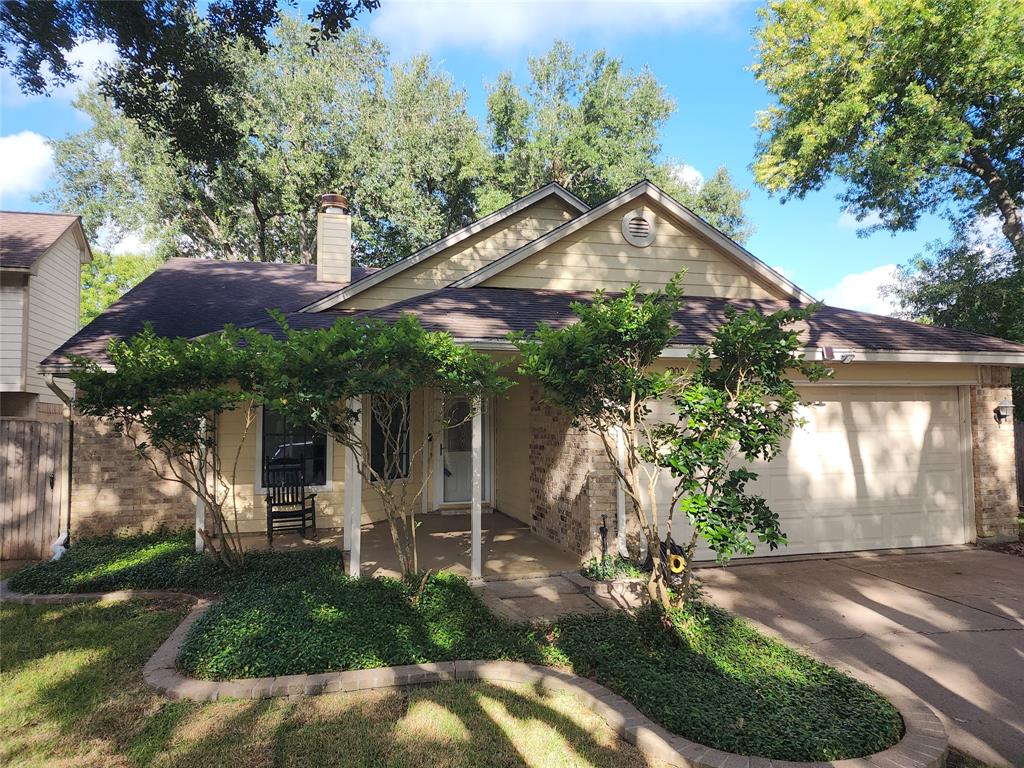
476 509
353 499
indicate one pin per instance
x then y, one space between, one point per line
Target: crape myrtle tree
321 377
734 403
165 396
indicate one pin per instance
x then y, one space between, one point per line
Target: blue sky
700 50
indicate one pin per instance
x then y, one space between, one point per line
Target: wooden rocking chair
289 507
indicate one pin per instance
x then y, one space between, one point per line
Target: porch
509 549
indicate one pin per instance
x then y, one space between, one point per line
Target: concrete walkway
947 627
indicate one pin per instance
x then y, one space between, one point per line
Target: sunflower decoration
676 563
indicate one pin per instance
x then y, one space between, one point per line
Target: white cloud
27 162
505 25
87 58
860 291
847 220
116 243
687 175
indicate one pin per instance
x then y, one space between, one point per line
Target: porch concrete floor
510 549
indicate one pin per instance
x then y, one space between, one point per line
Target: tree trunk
980 164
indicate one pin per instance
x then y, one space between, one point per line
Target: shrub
614 567
332 622
163 560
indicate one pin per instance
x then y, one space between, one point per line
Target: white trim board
375 278
677 209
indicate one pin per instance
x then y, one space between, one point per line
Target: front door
456 454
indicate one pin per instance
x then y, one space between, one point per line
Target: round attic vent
638 228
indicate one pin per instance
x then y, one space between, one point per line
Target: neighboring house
40 261
902 447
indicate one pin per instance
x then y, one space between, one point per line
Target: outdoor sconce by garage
1002 411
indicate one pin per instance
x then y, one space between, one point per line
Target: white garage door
873 468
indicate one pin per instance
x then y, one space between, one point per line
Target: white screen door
457 454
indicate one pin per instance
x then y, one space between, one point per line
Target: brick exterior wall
114 491
572 484
995 480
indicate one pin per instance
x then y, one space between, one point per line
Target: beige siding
53 307
512 453
12 344
468 256
598 256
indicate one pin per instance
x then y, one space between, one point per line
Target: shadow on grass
80 697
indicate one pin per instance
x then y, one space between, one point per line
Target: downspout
61 543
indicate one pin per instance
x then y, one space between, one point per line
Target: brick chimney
334 240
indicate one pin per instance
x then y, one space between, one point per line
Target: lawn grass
707 675
72 694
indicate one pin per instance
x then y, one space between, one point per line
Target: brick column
995 480
572 482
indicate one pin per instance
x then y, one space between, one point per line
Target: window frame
328 459
367 409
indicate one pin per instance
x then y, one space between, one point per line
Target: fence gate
30 487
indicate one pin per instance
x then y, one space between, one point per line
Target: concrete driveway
948 626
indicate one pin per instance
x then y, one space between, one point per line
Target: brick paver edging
923 744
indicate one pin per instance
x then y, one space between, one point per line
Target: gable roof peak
677 209
552 188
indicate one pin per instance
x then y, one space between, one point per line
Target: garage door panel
873 468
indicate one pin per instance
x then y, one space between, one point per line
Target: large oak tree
916 104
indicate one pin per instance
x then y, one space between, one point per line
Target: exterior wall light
1003 410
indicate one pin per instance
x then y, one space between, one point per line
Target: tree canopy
173 72
397 139
593 126
401 145
916 104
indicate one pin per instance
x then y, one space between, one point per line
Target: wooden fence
30 487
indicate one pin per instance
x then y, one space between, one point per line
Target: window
285 442
389 433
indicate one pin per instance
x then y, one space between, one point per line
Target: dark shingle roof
24 237
492 313
191 297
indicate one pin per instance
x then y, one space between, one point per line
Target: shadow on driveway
947 626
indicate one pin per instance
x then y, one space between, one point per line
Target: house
40 260
904 447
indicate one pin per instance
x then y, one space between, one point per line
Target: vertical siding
598 256
468 256
12 345
53 307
